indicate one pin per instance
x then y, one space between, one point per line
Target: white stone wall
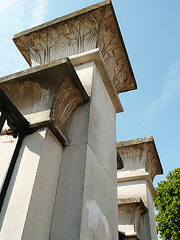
28 206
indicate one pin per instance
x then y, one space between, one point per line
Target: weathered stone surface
84 30
47 94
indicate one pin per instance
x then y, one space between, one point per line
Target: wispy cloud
170 91
11 22
16 16
39 12
6 4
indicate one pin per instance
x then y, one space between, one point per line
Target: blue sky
152 37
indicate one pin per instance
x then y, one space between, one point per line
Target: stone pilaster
141 165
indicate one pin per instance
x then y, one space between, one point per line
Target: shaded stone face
90 28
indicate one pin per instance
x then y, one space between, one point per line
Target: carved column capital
140 155
130 211
47 94
84 30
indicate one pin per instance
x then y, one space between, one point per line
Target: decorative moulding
78 32
140 155
47 94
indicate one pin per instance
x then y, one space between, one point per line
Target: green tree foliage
167 203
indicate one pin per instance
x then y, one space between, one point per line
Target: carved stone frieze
140 155
65 39
90 28
132 157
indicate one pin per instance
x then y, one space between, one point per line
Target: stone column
135 188
47 95
73 189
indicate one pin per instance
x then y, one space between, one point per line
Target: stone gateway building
61 168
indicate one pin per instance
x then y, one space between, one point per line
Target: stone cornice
136 141
137 201
47 94
84 30
140 155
